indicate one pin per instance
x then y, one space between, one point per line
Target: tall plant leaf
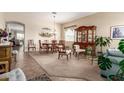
121 64
121 46
104 63
102 41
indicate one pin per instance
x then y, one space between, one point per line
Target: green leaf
121 46
121 64
102 41
104 63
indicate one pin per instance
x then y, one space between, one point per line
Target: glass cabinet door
90 34
79 36
84 36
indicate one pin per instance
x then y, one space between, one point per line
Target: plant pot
113 78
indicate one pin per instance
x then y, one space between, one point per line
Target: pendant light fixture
54 24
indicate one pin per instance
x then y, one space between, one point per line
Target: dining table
53 47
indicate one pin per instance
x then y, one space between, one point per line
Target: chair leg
58 56
39 50
70 55
74 52
28 49
52 50
67 57
78 54
62 55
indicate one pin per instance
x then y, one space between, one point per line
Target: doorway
16 34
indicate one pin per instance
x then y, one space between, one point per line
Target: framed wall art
117 32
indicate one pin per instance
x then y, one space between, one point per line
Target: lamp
47 32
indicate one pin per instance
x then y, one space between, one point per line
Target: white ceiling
61 17
64 17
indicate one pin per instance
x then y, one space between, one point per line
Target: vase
3 39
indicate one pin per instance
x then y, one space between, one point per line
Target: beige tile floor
32 69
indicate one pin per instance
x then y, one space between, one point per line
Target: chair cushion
80 50
68 51
76 47
31 45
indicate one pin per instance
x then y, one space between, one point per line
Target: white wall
103 21
2 22
33 26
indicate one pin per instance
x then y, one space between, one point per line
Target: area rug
42 77
73 68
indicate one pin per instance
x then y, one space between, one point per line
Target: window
20 36
69 35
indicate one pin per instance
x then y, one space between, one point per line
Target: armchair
77 51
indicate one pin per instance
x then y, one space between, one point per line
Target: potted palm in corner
120 73
102 42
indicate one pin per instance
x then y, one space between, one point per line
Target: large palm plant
102 42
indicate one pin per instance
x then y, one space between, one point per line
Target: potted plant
102 42
3 34
120 73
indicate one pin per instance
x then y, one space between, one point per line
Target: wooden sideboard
5 53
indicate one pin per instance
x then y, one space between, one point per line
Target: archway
17 34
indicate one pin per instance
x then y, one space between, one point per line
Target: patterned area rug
72 68
42 77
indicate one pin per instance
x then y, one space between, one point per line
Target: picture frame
117 32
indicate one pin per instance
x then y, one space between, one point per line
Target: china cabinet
85 37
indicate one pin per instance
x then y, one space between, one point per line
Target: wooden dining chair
54 41
43 46
31 45
62 42
64 52
54 46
